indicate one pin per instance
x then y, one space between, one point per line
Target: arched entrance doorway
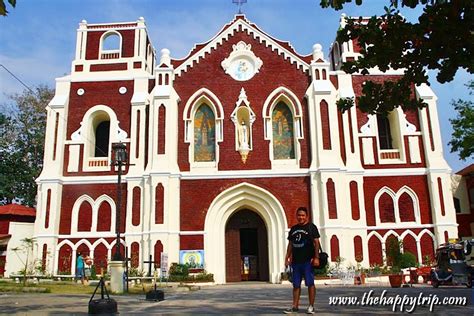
246 247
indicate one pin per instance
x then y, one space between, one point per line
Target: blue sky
37 39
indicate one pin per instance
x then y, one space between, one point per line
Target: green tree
463 126
442 40
3 6
22 144
26 249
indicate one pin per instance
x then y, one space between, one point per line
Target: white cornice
258 35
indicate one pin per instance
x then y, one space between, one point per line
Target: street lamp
119 158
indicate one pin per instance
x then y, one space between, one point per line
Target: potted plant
398 261
394 260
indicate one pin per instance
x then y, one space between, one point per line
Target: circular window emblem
80 91
122 90
242 64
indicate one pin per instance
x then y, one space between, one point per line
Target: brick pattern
441 197
418 184
386 209
94 95
161 129
334 248
342 142
159 201
290 192
354 191
191 242
208 73
71 193
104 218
108 67
93 43
44 256
358 250
331 195
134 254
427 248
375 253
136 203
323 105
48 207
405 207
158 249
65 260
409 245
84 221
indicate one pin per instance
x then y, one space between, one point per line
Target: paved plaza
239 298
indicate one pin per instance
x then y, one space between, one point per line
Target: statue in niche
243 136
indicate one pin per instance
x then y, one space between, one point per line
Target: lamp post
119 158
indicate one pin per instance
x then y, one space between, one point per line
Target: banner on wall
193 258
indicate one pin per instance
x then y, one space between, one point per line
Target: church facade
223 147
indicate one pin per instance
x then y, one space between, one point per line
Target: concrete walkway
238 298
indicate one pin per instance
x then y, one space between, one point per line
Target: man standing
80 267
302 254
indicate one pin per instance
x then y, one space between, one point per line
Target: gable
240 24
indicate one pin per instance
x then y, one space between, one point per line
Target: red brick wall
157 253
354 200
331 195
325 124
136 206
135 254
334 248
65 260
84 221
418 184
275 72
409 245
197 195
405 206
161 130
441 197
72 192
95 95
105 215
159 202
358 251
375 251
6 219
427 248
386 209
191 242
93 43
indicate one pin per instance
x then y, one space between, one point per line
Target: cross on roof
239 3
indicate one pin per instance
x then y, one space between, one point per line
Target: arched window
283 134
102 133
385 136
386 209
84 217
110 46
204 134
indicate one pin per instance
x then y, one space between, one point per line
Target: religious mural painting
283 140
204 134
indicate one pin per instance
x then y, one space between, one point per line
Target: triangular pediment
240 23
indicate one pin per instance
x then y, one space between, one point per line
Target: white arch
104 37
376 234
95 211
261 201
195 99
416 204
433 239
100 241
279 94
388 234
75 211
73 254
83 241
393 195
408 232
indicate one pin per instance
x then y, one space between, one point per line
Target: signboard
193 258
164 264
